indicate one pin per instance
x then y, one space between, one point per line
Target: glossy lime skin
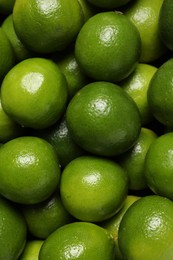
13 228
92 188
160 94
45 217
108 47
145 231
34 93
159 165
46 27
78 240
29 170
103 119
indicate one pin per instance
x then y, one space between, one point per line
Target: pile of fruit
86 129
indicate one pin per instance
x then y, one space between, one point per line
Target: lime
29 170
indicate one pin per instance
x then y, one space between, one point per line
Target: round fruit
145 230
160 94
46 27
78 240
29 170
93 189
108 47
103 119
159 167
34 93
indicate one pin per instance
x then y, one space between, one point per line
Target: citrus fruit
31 250
166 23
92 188
21 52
99 118
133 161
160 94
46 27
78 240
136 85
7 56
6 6
111 4
45 217
108 46
13 230
29 170
76 79
144 14
34 93
158 165
113 223
145 230
9 129
59 137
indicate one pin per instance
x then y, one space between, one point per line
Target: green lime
145 230
108 46
160 94
99 118
13 230
31 250
46 27
144 14
78 240
136 85
45 217
92 188
133 161
29 170
34 93
21 52
158 165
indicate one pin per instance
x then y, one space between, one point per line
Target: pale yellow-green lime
136 85
31 250
113 223
133 161
144 14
